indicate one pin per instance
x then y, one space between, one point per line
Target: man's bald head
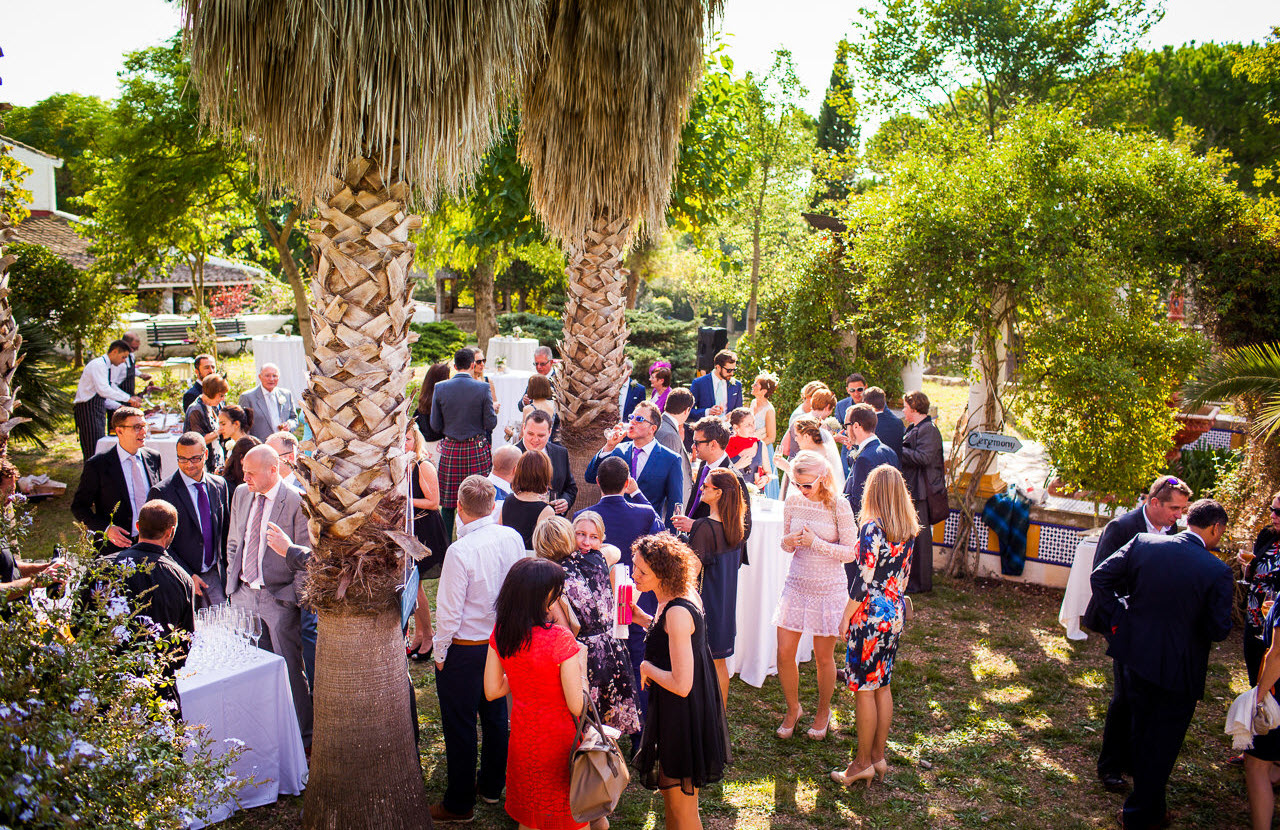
504 461
261 468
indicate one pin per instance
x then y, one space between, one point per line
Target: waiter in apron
93 392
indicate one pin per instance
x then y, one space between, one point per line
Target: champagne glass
255 628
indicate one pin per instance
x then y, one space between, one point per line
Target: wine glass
255 628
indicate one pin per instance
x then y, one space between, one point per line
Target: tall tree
601 121
74 127
778 140
984 58
837 141
361 106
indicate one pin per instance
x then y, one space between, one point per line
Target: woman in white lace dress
821 532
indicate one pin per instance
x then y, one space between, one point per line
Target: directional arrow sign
994 441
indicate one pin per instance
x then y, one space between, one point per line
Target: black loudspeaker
711 339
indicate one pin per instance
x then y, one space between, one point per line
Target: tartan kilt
459 459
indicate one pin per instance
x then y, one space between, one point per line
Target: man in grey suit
273 406
671 431
265 566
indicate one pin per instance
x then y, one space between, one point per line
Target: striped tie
253 540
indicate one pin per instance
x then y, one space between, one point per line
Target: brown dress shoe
440 814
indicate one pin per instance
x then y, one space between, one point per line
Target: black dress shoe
1114 783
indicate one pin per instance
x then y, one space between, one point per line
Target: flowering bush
229 301
85 740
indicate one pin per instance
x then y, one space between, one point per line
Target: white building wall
40 180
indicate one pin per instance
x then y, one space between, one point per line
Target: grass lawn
998 722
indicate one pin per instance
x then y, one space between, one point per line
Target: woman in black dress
685 744
1261 772
716 540
428 528
527 505
1261 570
435 374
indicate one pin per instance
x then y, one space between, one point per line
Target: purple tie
206 523
697 488
635 458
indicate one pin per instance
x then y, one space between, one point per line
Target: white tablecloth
755 653
287 352
517 350
510 386
1079 591
249 702
166 445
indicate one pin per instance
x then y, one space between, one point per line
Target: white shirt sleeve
451 595
100 381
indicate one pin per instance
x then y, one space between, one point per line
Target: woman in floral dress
873 616
1262 572
590 593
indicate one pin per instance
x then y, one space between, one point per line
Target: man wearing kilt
462 410
93 392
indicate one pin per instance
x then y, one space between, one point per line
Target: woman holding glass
716 539
874 613
821 534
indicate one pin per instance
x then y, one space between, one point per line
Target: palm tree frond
309 85
1246 370
602 112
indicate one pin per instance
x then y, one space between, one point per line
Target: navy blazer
661 480
102 497
462 408
1167 599
562 483
1118 533
626 519
187 547
890 430
872 455
704 397
635 394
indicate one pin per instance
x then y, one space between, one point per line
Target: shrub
547 330
1201 469
436 341
654 337
85 739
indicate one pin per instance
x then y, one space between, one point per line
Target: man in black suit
889 427
203 366
158 588
201 499
1165 600
114 484
1166 501
924 470
710 437
535 434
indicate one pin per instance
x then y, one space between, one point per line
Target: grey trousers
282 634
214 594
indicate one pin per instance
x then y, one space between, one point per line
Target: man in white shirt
473 573
273 406
93 392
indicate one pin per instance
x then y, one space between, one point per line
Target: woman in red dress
538 663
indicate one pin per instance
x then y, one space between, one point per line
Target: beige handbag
597 769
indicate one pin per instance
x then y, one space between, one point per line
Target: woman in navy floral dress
873 617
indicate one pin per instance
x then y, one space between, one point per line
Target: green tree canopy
835 157
80 308
76 128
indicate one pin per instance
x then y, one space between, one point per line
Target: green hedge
437 341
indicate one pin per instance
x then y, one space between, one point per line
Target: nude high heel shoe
867 773
881 767
785 732
816 734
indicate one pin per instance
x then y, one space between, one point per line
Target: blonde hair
419 442
475 495
810 463
806 392
553 539
886 499
593 517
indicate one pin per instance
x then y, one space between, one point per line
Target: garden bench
231 331
168 335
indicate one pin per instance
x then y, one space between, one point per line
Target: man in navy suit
889 427
860 424
856 386
717 393
627 518
200 539
1166 600
1166 501
462 410
632 394
535 434
655 468
115 482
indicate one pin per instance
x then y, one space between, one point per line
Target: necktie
697 488
206 524
635 459
253 541
139 489
273 409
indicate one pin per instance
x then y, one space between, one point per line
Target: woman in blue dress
717 540
766 421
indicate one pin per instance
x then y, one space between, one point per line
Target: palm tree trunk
595 332
365 771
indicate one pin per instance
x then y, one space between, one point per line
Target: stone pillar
166 300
